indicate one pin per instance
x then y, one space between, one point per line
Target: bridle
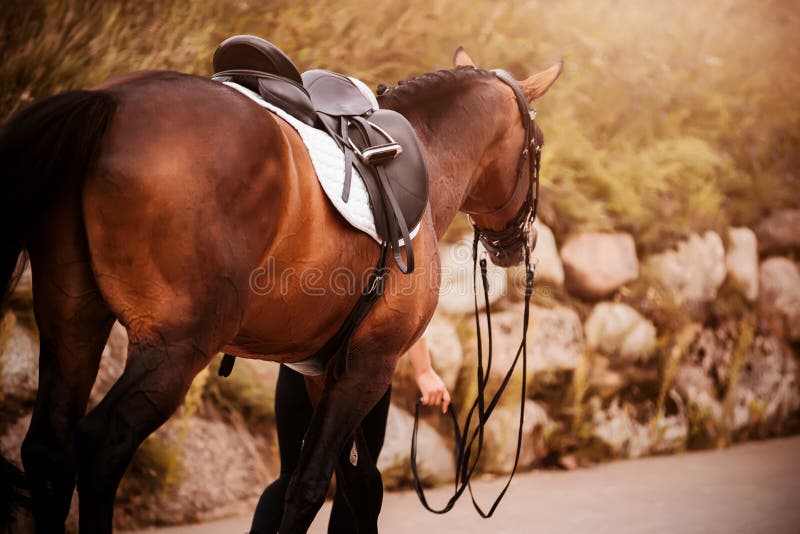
515 234
469 442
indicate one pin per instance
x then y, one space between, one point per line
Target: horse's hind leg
359 494
359 491
157 376
74 323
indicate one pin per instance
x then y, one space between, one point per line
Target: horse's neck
454 143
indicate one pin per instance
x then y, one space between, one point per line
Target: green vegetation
248 391
670 116
743 344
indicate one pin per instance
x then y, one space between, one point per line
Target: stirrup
380 154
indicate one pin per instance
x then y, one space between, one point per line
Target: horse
153 198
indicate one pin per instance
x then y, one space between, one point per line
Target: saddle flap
254 53
407 172
335 94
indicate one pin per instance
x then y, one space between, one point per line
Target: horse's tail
15 502
45 150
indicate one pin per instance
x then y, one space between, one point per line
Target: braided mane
426 85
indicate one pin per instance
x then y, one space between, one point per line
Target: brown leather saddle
381 144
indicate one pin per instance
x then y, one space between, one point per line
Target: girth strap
348 160
226 365
338 347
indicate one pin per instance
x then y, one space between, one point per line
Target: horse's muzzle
515 254
507 258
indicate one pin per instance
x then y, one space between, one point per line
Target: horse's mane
425 85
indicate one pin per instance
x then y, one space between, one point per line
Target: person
293 413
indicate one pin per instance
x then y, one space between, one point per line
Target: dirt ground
749 488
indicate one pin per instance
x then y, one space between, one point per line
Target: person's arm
431 386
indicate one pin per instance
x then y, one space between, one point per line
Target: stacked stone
690 347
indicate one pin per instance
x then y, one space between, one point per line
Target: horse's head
502 199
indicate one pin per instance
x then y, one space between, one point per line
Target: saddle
380 143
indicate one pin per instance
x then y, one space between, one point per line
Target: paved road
751 488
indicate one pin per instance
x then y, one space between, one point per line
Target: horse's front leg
343 405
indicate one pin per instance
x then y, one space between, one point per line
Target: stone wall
693 347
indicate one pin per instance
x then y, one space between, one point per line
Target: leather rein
513 237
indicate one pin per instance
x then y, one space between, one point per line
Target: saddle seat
264 69
380 143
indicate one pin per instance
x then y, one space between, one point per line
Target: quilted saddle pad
328 162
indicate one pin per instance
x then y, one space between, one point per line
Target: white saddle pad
328 163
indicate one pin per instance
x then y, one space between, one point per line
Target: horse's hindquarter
199 200
185 196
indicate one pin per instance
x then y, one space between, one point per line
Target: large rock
455 291
445 348
698 392
616 329
555 340
701 379
603 380
780 232
764 378
191 470
435 459
625 437
741 261
444 345
447 357
500 435
780 295
693 273
597 264
768 386
19 363
250 388
549 270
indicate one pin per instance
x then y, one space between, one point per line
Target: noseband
515 234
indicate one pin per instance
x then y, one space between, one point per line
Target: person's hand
433 389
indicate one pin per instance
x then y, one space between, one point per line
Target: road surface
749 488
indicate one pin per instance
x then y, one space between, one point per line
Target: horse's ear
538 84
461 58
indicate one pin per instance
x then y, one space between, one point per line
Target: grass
663 122
743 344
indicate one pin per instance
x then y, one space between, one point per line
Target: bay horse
152 198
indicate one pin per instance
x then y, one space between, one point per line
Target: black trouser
293 413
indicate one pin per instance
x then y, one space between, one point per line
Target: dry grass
670 117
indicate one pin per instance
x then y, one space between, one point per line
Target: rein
513 236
